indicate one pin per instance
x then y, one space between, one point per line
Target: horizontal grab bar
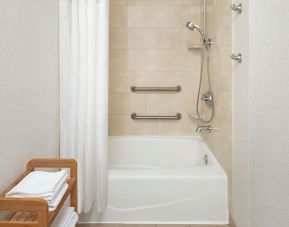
162 89
134 116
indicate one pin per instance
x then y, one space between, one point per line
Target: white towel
40 184
74 220
52 204
63 217
66 217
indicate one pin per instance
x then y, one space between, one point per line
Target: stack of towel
50 186
67 217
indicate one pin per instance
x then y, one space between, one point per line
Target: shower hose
205 56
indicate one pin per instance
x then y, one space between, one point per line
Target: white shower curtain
83 29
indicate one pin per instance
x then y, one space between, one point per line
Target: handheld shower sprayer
190 25
207 42
208 96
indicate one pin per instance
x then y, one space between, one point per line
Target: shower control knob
237 57
237 8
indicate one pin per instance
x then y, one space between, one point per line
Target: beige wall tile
190 82
137 60
193 2
169 79
118 60
133 103
158 16
169 128
118 16
120 125
163 104
219 28
121 38
180 15
118 2
183 61
148 47
120 81
145 128
145 79
188 103
176 38
189 125
146 38
158 61
114 103
137 16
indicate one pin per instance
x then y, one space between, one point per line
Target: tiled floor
133 225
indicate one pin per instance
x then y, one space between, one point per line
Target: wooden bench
34 211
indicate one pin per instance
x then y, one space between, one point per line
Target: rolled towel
40 184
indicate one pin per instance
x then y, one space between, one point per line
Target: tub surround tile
149 47
162 104
115 103
118 2
183 61
180 15
120 81
169 128
118 16
146 38
219 28
145 128
158 60
118 60
121 38
143 79
133 103
120 125
158 16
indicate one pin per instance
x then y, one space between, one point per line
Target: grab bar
135 116
154 89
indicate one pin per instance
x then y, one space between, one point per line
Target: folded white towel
52 204
40 184
66 217
74 220
63 217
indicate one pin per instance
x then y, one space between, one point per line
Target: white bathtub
163 180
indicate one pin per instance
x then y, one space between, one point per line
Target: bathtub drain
206 159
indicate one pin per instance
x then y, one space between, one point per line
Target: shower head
190 25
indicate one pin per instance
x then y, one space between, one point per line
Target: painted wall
240 161
149 47
28 84
269 112
260 156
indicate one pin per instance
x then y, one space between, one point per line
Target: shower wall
219 27
149 47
